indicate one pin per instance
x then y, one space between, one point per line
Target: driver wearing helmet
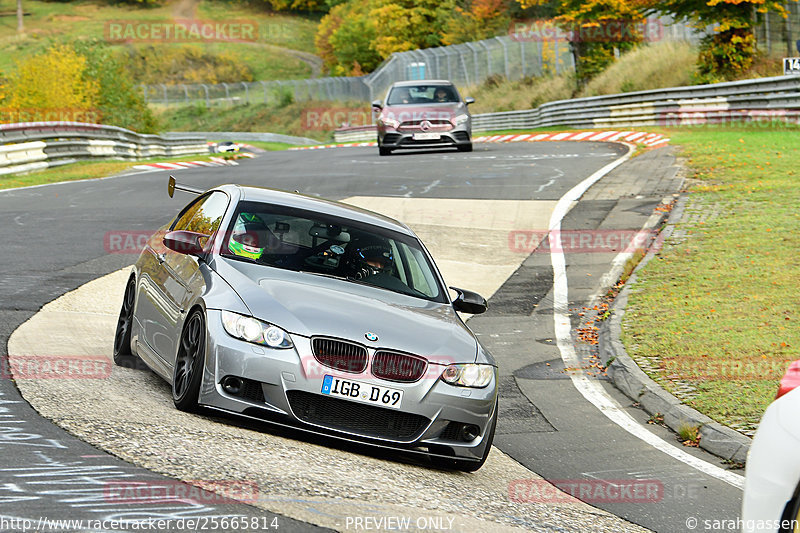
368 256
249 236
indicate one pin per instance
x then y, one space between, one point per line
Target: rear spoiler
172 186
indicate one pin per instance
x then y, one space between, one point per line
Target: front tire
384 151
188 372
465 147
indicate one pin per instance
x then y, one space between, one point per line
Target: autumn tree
477 20
84 82
120 101
596 28
345 39
357 35
730 49
410 24
297 5
52 84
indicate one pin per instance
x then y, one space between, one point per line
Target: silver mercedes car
313 314
423 114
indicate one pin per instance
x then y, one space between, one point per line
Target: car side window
421 279
205 215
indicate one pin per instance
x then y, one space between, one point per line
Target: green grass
497 94
269 146
665 64
726 293
69 21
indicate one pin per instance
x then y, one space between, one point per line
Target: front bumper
284 387
395 139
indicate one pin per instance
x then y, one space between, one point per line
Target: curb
214 162
631 380
651 140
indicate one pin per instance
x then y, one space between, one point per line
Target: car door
177 278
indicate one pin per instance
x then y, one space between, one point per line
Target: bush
184 64
82 83
120 102
54 85
726 55
282 96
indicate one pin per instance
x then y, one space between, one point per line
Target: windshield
292 239
423 94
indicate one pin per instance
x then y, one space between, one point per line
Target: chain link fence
466 64
780 35
511 56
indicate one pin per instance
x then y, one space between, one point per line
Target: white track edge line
591 389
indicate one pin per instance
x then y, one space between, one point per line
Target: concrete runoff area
321 484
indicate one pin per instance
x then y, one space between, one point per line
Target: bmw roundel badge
371 336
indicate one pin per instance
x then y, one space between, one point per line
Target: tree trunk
20 27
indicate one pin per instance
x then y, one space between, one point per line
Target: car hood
408 113
309 305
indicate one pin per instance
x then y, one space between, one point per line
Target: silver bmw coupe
312 314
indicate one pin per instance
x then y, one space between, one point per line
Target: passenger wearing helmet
249 236
368 256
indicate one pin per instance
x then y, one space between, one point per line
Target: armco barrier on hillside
762 100
35 145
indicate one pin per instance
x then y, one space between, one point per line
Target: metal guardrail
36 145
756 100
242 136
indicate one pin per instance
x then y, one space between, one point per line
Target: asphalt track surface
54 242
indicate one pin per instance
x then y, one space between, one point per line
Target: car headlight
460 119
392 123
468 375
252 330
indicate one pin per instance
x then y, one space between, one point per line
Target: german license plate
362 392
427 136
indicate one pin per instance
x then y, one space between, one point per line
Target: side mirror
790 380
377 104
469 302
186 242
469 100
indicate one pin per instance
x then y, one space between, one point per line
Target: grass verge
713 317
47 22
